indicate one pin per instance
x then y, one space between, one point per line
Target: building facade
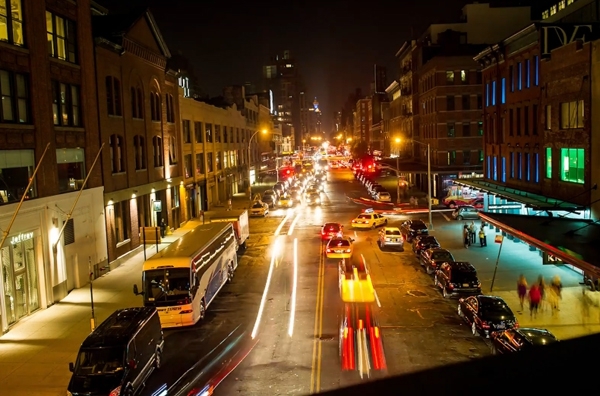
48 118
362 120
139 126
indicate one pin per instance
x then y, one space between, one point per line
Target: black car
412 228
486 314
269 200
517 340
424 242
456 278
432 258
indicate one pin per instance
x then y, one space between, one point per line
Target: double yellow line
315 374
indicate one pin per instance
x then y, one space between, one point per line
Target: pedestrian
466 236
229 207
482 237
522 289
472 232
534 300
556 287
163 227
202 216
542 287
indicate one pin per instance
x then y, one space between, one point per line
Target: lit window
549 162
572 165
503 91
61 38
11 23
117 153
527 166
65 104
519 76
71 169
494 93
495 168
463 76
503 169
450 77
536 165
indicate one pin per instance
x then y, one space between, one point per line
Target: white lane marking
445 216
377 298
263 300
294 290
291 230
280 226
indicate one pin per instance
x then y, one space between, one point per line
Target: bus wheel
202 309
230 272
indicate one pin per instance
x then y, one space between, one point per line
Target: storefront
20 282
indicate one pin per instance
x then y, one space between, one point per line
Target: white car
259 208
383 196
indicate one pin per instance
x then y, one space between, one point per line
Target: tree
359 149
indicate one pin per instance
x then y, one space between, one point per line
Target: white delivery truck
241 227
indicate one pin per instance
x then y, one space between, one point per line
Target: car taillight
516 325
348 250
451 286
485 324
328 250
115 392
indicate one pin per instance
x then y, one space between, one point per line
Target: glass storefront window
16 167
549 162
71 169
572 165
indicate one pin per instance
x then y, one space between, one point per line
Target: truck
241 226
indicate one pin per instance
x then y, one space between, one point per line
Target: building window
526 120
200 164
503 91
187 165
65 104
487 94
494 93
527 167
536 165
534 116
117 153
225 135
481 156
14 89
528 73
518 121
495 168
237 135
209 137
71 169
121 221
511 120
451 129
11 22
157 151
226 160
175 200
198 131
479 102
187 135
170 108
512 165
466 102
488 167
536 68
511 75
62 38
503 175
520 165
450 103
451 157
209 163
218 159
572 165
450 77
571 115
466 157
155 106
549 162
139 146
218 133
137 103
113 96
519 76
463 77
480 128
548 118
172 150
16 168
466 129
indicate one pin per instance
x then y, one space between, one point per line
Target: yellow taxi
369 219
285 201
340 248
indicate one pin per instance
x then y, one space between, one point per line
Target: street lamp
398 140
264 131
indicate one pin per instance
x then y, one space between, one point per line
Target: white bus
183 279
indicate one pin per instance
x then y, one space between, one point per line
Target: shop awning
573 241
531 200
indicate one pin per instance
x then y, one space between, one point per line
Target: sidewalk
35 353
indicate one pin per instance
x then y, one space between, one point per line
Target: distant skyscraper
380 79
315 122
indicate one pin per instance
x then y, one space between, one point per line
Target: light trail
280 226
291 230
294 290
263 300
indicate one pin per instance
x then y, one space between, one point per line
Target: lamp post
398 140
264 131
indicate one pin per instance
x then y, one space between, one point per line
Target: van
117 358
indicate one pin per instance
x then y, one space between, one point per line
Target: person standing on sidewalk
522 289
229 206
482 237
472 232
466 236
534 300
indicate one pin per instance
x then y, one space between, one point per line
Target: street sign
499 238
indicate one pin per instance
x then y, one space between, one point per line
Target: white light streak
294 290
263 300
291 230
280 226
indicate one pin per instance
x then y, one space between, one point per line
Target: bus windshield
166 286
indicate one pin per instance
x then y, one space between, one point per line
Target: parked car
259 208
391 237
423 242
413 228
431 259
466 212
517 340
119 355
456 278
486 314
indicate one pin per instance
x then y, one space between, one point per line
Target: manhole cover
416 293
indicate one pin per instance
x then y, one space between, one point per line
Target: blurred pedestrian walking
466 236
522 289
542 286
534 300
556 292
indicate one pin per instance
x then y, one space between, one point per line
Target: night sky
336 43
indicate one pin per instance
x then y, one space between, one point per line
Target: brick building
362 120
48 90
139 125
